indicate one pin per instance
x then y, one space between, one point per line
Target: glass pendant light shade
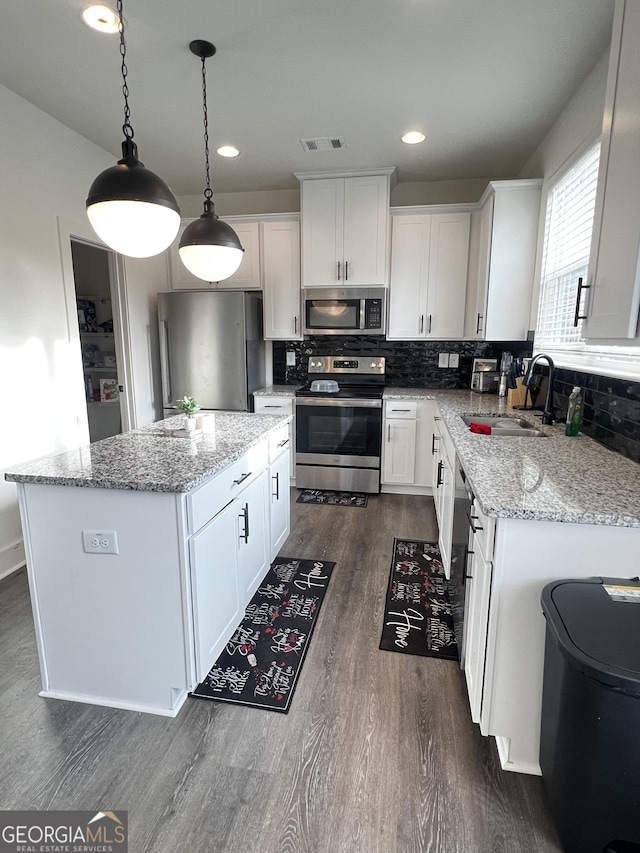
209 248
131 209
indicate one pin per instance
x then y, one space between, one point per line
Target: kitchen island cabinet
545 509
142 552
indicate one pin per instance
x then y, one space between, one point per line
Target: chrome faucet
547 415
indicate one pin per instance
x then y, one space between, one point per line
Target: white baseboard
394 489
504 748
11 558
179 699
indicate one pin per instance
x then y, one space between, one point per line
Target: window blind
565 253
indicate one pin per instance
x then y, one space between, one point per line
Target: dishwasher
459 555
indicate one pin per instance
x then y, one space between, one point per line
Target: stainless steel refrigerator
211 348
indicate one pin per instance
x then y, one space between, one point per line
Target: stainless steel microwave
345 310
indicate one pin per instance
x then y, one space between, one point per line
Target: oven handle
343 403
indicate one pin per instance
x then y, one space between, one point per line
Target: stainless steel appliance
211 347
462 508
345 311
339 431
485 381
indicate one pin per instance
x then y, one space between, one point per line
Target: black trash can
590 735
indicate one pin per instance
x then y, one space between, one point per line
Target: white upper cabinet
614 269
281 277
246 277
345 230
505 241
429 261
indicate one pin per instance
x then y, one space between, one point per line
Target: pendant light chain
208 193
126 127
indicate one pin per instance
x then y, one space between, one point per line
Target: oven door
338 432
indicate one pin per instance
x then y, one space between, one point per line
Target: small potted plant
188 406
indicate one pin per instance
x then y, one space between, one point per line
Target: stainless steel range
339 424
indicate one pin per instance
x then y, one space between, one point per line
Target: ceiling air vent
324 143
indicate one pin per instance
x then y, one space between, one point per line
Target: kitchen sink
506 426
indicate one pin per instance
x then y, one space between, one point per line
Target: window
565 253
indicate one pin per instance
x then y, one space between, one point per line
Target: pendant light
209 248
130 208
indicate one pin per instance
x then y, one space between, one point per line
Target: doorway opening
96 302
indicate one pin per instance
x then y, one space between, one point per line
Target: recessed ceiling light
413 137
100 18
228 151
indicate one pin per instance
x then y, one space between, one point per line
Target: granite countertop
148 459
555 478
408 394
277 391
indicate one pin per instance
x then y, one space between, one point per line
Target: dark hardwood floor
377 754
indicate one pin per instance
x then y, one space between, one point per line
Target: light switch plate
291 359
443 359
454 359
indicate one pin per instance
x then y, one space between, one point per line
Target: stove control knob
373 364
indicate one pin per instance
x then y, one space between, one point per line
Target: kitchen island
544 508
143 550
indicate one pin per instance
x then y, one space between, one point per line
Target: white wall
45 173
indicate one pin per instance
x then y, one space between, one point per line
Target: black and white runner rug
319 496
417 615
263 659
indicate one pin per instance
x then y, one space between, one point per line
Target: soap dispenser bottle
574 412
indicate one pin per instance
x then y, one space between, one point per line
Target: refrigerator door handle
165 364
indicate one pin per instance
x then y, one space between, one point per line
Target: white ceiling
483 79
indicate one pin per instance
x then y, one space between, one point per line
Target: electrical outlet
291 359
100 541
443 359
454 359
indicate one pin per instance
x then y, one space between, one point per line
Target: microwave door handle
363 311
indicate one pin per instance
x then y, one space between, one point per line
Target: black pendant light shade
130 208
209 248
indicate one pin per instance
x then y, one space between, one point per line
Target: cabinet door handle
339 264
346 270
388 433
429 329
277 492
242 479
578 315
295 325
272 406
283 442
421 323
479 324
245 515
439 479
434 438
400 410
473 518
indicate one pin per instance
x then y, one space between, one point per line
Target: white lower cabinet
504 629
218 601
406 446
280 501
253 537
273 404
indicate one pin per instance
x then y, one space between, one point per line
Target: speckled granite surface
408 394
555 478
277 391
148 460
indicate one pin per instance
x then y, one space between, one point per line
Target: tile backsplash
611 411
410 364
611 414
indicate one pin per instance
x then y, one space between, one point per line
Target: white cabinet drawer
279 441
273 405
401 409
205 502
